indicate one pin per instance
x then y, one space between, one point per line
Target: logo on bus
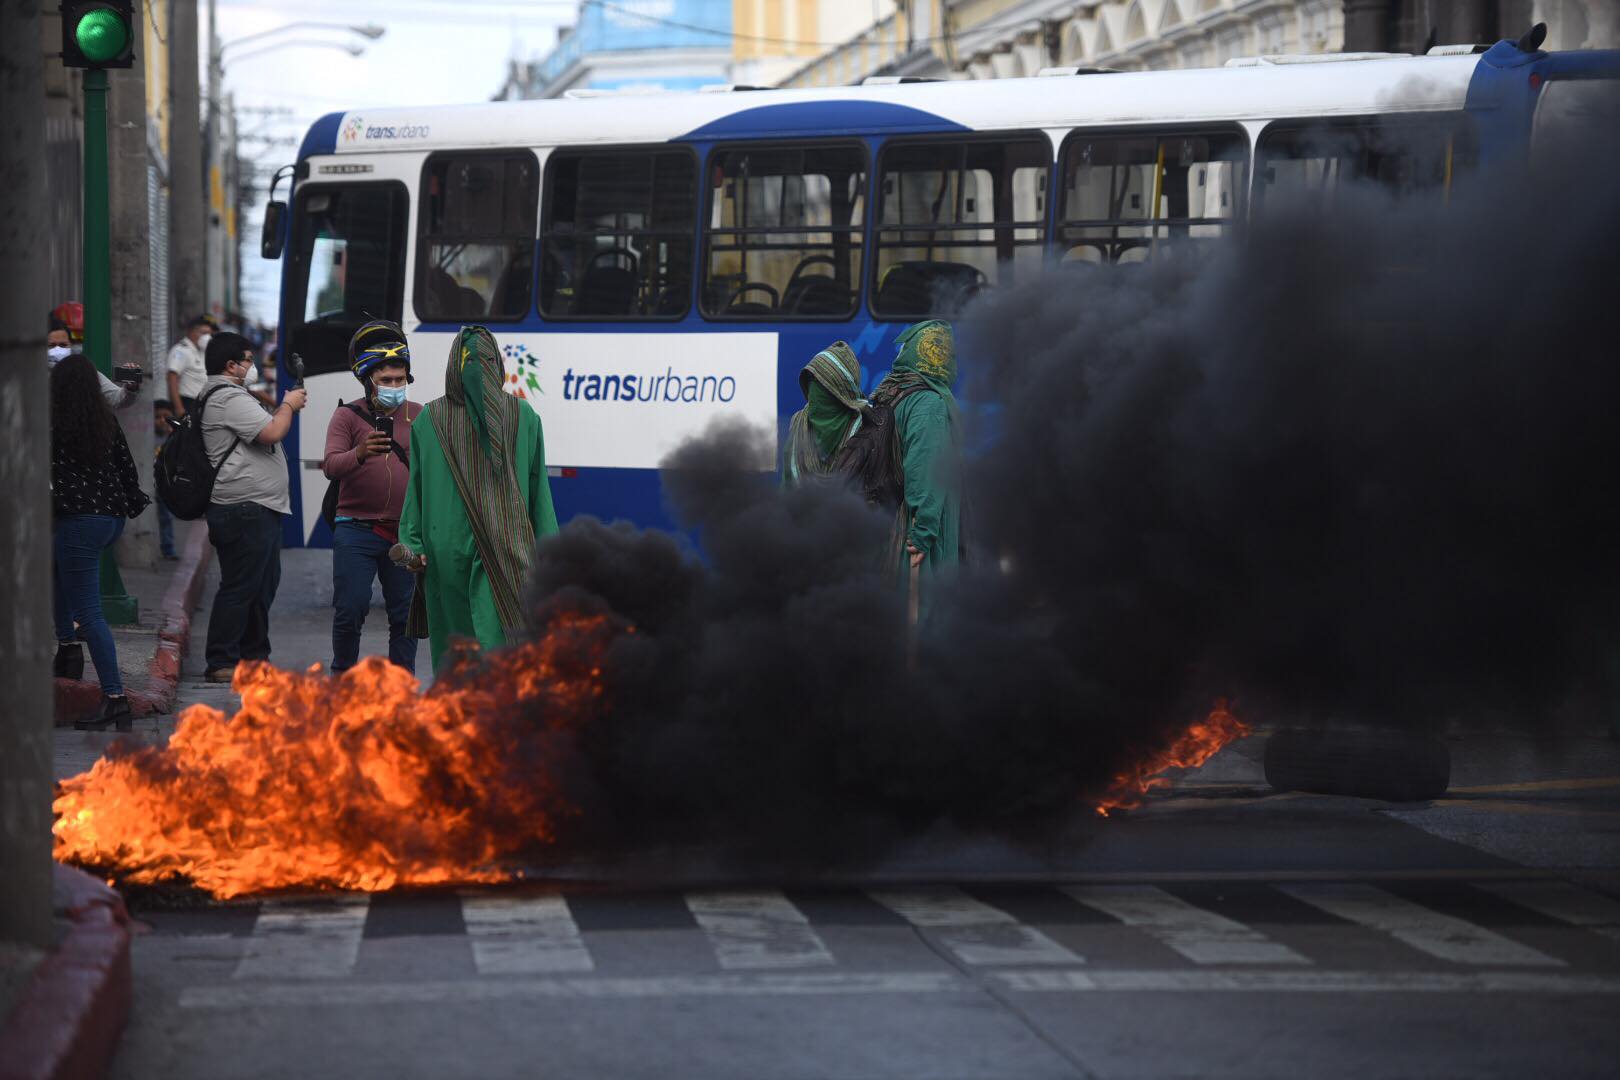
352 129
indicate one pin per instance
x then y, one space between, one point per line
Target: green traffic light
101 35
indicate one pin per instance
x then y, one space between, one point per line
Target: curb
67 1022
77 698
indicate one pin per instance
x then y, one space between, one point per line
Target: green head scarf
929 349
831 383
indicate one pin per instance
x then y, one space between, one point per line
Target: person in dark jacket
372 477
94 490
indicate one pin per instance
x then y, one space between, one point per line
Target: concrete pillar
26 638
187 206
1464 22
1366 25
129 202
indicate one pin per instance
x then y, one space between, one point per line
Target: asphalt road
1222 931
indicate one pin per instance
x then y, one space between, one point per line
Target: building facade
632 46
986 39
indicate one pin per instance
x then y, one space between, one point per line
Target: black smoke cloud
1355 467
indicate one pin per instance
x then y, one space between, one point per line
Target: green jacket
435 523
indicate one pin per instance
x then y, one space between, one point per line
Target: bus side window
956 216
475 250
1131 197
618 234
1319 164
783 236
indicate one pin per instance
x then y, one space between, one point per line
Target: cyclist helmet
378 342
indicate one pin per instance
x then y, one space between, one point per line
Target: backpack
869 460
184 475
329 502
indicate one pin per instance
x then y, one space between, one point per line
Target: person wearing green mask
477 503
928 529
831 383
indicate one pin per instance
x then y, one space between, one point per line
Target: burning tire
1368 763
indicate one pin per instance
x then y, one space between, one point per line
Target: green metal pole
116 604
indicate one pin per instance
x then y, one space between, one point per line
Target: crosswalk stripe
751 930
976 933
1436 933
305 939
1561 900
1202 936
523 935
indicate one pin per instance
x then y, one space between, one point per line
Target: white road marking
757 930
976 933
1204 980
1202 936
523 935
305 939
306 995
1423 928
1561 900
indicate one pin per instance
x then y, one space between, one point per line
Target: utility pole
187 167
214 278
130 188
26 636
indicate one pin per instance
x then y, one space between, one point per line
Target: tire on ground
1368 763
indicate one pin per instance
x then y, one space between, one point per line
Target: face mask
58 353
252 375
202 342
390 397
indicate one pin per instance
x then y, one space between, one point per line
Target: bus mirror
275 214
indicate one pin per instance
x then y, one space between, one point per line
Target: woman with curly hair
94 489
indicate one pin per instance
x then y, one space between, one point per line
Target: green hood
929 349
831 383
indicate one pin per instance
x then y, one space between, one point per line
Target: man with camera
66 337
243 440
368 449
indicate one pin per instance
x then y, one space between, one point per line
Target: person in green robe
477 503
833 406
928 529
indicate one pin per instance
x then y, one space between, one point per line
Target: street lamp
369 30
349 47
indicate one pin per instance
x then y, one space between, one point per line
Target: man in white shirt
188 373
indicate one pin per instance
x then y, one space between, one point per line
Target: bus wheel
1367 763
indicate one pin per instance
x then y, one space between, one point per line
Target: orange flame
1192 748
357 782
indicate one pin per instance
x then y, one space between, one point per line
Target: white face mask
202 342
58 353
252 375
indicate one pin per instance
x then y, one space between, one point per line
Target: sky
432 53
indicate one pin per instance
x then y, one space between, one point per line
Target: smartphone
385 425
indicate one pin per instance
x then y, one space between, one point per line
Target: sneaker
69 662
221 675
114 712
169 556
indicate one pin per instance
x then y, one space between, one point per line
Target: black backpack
869 460
184 475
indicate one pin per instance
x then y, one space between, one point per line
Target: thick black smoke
1352 467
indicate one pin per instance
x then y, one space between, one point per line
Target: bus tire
1366 763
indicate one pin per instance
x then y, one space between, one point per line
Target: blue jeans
78 541
247 540
359 555
165 528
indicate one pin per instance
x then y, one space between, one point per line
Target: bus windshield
348 266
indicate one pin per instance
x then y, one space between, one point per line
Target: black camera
130 375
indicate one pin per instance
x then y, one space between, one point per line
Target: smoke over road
1354 467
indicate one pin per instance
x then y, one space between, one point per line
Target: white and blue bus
652 263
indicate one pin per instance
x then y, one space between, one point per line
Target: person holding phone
368 448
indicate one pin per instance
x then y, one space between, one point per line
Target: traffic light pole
117 605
